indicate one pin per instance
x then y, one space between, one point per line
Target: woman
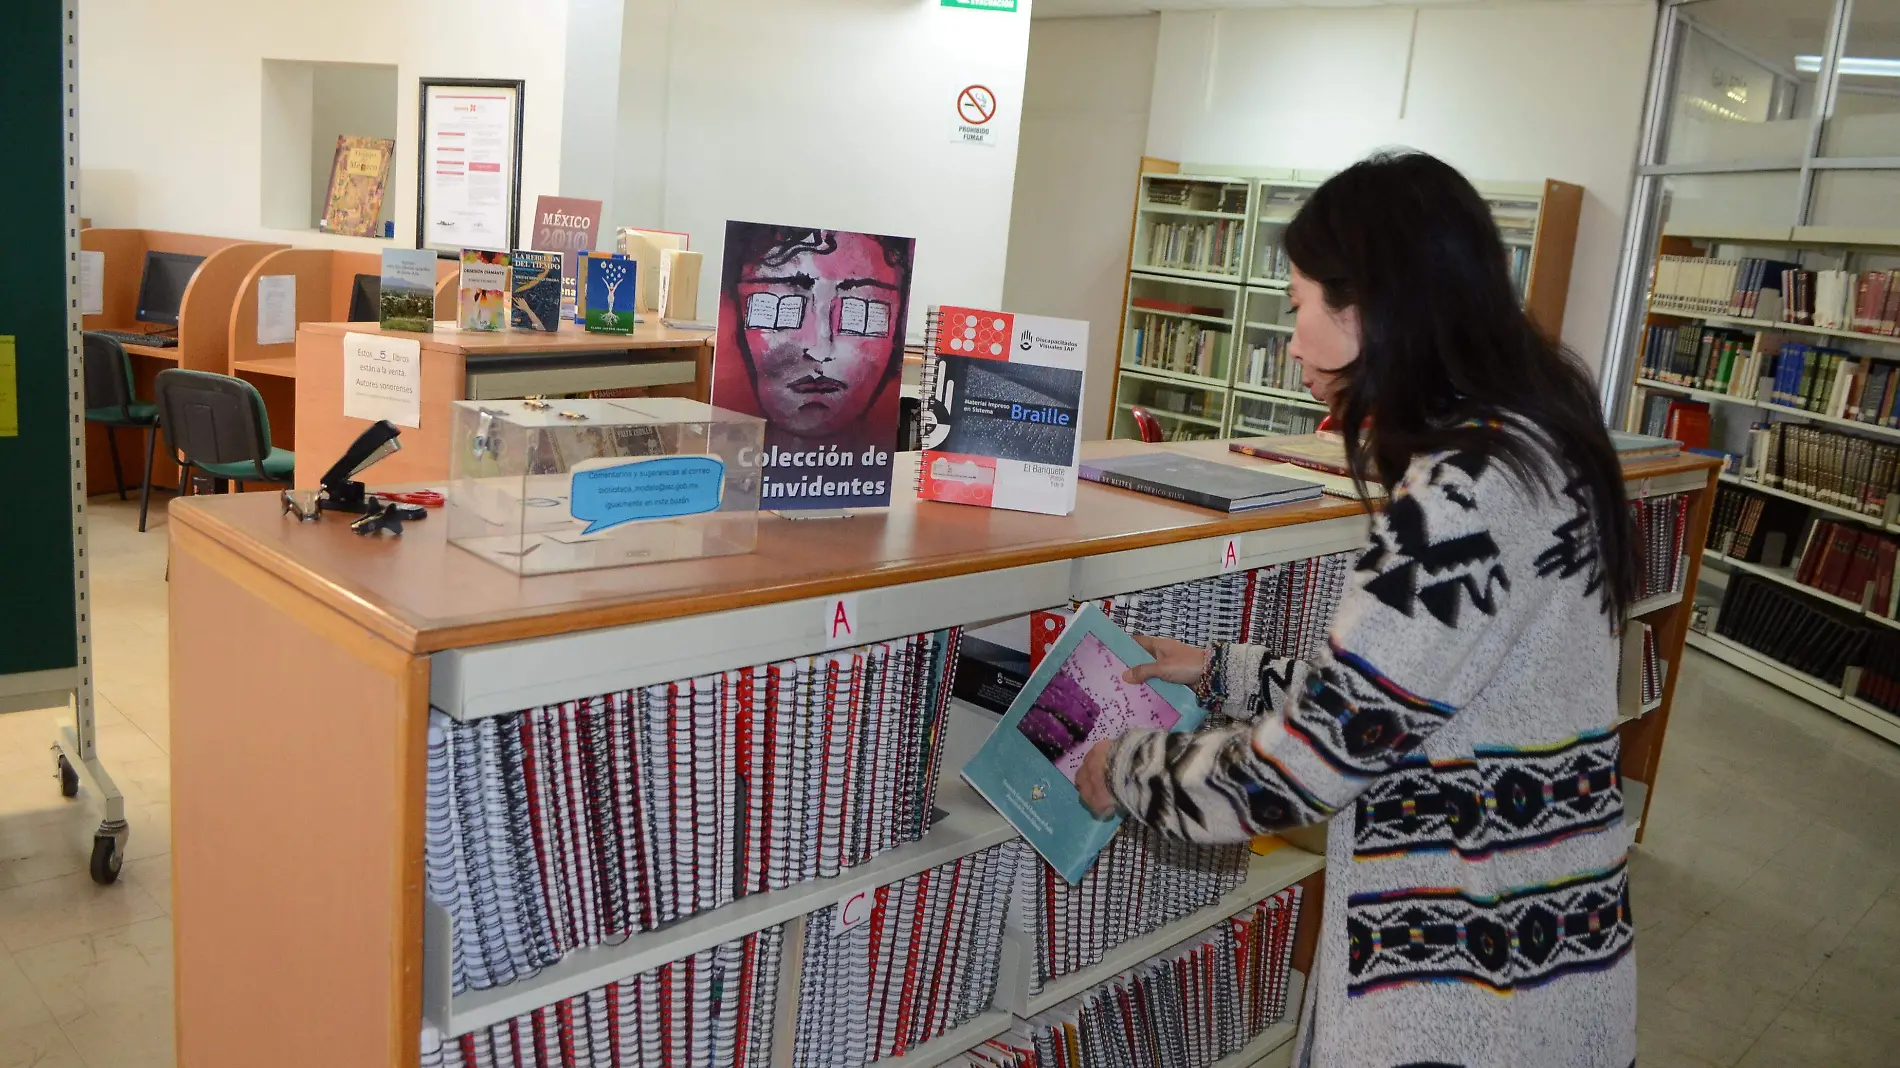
1458 723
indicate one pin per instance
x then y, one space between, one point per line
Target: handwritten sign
853 911
661 487
382 378
1230 555
841 621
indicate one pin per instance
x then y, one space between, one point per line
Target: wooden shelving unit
1242 302
1817 248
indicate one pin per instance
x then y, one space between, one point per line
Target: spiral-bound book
1002 400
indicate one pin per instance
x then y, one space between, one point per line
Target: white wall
177 146
1521 92
834 113
1085 122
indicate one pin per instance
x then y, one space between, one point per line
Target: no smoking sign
976 113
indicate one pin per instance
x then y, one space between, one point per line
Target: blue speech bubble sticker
663 487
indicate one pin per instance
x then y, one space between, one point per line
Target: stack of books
567 826
1212 246
1782 625
1188 1007
1186 346
713 1009
1661 523
923 960
1270 365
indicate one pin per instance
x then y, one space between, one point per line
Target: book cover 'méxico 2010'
1075 700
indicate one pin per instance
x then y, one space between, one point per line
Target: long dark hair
1448 359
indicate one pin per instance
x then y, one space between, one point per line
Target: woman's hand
1091 780
1173 661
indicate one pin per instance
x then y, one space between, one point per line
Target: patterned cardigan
1458 724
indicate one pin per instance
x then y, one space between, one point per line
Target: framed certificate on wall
468 167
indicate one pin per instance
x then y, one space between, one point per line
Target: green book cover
1809 360
1726 366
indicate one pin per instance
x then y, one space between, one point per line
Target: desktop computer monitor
366 298
162 288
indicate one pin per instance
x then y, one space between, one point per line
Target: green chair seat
142 415
279 466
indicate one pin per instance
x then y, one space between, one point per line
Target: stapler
342 493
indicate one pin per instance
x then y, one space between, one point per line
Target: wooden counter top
569 338
423 595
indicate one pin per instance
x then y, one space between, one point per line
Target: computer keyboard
130 337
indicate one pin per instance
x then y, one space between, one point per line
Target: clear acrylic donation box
539 487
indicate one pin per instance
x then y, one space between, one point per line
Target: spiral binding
926 390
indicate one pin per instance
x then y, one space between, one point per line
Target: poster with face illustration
811 338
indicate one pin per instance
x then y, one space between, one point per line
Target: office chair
111 403
1147 427
216 424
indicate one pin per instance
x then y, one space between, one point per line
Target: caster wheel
68 779
105 859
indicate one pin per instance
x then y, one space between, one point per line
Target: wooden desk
299 779
204 315
323 432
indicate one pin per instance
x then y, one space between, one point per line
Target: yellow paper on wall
9 391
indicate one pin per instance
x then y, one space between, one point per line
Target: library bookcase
304 935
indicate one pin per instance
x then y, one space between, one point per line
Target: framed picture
468 165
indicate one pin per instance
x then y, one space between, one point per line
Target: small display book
1074 700
543 486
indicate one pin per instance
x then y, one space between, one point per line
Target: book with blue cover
1073 701
537 295
607 291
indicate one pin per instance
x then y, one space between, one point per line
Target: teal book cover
609 288
537 295
408 290
1074 700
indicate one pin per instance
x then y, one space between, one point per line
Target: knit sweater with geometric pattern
1457 731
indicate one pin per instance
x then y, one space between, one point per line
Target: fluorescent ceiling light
1870 67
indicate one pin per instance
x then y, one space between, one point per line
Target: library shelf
1297 397
1180 417
1277 1037
1819 506
956 1041
1136 309
969 826
1815 691
1205 277
1656 603
1183 377
1635 796
1266 875
1710 396
1784 576
1278 328
1276 285
1198 213
1745 323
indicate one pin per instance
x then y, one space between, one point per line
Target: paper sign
382 378
606 493
1230 555
841 621
853 911
276 309
92 283
976 113
9 391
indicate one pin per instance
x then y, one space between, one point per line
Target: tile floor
1767 890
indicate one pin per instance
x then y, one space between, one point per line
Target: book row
1285 607
1199 196
1270 365
1829 466
1880 671
1213 246
1521 257
1273 263
1182 345
1818 379
1255 415
1661 525
920 961
1753 528
714 1009
1851 562
571 825
1652 681
1866 302
1186 1008
1782 625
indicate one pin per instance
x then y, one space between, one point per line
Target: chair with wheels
112 404
216 425
1146 425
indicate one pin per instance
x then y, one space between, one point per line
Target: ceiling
1056 9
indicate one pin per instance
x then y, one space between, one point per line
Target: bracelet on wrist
1211 689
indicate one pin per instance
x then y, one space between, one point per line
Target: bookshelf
1205 321
1680 359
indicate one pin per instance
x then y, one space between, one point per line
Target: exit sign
983 5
